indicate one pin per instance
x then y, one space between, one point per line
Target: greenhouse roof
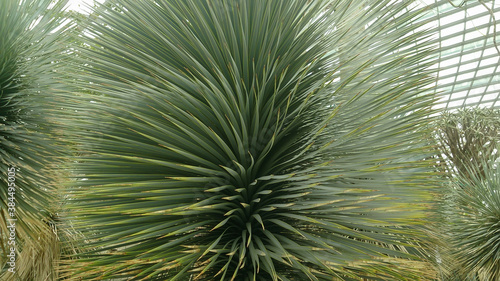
466 33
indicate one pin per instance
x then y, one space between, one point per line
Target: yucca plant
475 224
251 140
468 142
467 139
30 49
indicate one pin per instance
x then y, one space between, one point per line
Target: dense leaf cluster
225 140
262 140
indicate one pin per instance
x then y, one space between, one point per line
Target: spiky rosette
251 140
30 48
29 55
475 222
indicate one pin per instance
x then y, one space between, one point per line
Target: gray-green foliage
468 140
475 227
251 140
31 44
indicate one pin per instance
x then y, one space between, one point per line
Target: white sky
80 5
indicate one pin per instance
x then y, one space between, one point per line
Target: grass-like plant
251 140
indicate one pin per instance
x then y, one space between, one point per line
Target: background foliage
31 47
468 140
220 140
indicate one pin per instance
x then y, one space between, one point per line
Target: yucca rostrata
469 140
31 36
475 222
251 140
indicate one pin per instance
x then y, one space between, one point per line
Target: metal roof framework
468 36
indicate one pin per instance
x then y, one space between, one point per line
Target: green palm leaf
251 140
